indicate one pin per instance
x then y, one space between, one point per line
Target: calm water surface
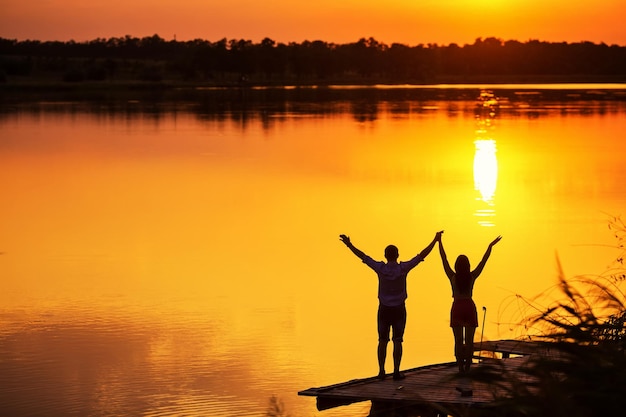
187 262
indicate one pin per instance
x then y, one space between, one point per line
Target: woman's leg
458 347
469 346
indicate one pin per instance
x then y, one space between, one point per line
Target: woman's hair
463 273
462 265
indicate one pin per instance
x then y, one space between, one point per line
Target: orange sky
409 22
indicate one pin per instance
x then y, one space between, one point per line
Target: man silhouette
391 296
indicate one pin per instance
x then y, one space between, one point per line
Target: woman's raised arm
476 272
444 259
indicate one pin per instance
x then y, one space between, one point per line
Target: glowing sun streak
485 169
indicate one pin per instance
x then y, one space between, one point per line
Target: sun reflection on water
485 174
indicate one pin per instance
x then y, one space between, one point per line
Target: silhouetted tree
366 60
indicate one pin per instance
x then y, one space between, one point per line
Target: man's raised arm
346 240
431 245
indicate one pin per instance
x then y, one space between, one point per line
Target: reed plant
579 369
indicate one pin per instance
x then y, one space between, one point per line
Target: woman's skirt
463 313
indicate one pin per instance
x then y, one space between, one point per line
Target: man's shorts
391 318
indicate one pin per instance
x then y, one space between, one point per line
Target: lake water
181 258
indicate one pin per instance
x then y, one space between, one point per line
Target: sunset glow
485 169
485 179
401 21
171 257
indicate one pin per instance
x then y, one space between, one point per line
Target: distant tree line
268 62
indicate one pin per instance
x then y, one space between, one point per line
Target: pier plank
438 387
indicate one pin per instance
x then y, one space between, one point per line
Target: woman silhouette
463 315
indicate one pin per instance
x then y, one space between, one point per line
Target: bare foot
397 376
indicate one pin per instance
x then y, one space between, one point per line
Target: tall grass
583 373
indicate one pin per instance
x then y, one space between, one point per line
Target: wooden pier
430 390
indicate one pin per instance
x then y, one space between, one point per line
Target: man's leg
382 355
383 339
397 358
398 326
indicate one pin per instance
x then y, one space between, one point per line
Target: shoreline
217 97
28 83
